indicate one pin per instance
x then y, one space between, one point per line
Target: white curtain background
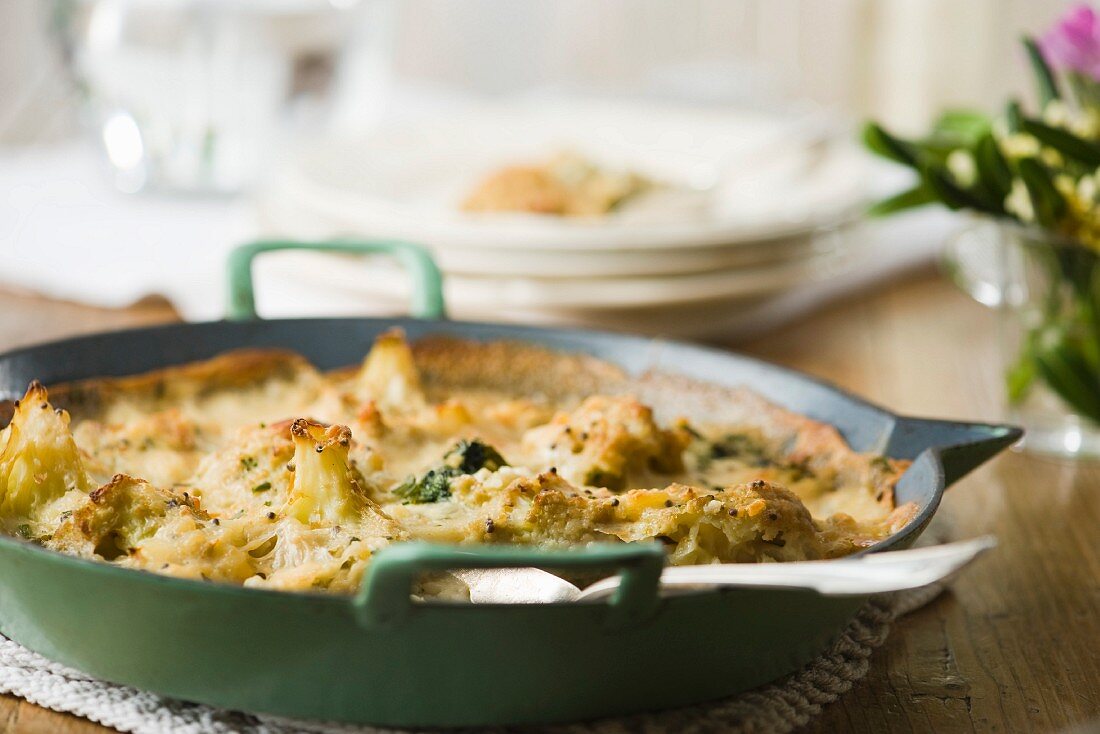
898 60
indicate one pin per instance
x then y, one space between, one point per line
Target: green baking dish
384 659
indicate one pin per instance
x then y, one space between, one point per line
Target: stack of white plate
755 208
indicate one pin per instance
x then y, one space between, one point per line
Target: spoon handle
871 574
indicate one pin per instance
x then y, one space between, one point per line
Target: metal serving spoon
873 573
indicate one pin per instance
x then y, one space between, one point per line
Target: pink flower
1073 44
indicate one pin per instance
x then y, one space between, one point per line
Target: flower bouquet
1038 175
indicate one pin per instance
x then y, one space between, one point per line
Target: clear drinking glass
191 95
1047 293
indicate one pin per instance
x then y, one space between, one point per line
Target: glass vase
197 96
1046 290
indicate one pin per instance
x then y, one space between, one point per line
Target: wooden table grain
1015 646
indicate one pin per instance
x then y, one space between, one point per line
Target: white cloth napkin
66 234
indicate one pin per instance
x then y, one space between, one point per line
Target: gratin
566 184
255 468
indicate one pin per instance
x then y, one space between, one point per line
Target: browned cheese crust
255 468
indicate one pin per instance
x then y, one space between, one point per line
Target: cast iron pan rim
916 525
534 331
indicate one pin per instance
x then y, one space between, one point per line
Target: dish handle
427 286
384 600
962 447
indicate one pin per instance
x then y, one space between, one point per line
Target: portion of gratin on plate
566 184
255 468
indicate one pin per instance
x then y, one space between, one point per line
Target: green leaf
1014 115
1083 89
1076 266
1063 141
993 171
886 145
1048 203
1092 301
954 196
965 127
919 195
1020 378
1068 374
1045 81
936 149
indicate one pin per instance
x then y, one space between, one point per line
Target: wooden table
1014 647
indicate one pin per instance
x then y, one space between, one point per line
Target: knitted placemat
778 707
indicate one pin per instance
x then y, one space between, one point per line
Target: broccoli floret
466 457
470 456
738 446
435 485
730 446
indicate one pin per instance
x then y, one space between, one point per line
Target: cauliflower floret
323 489
744 523
40 463
132 523
389 375
607 442
326 489
116 517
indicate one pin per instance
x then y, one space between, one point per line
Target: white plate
289 287
289 221
291 284
406 181
381 278
284 295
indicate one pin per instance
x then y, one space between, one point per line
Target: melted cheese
259 470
